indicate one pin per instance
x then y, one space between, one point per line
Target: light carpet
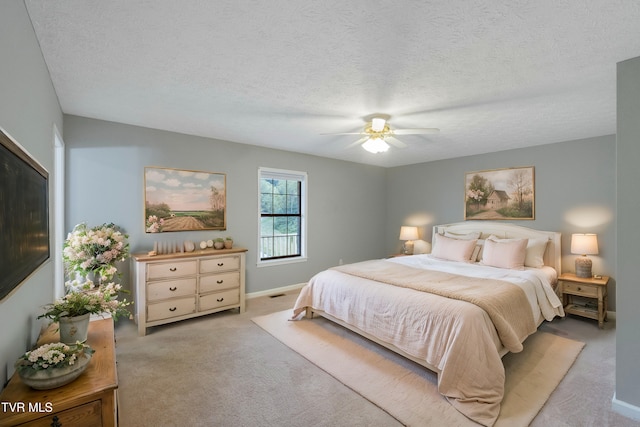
407 391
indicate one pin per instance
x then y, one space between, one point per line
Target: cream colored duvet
456 324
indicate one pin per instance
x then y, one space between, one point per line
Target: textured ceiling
491 74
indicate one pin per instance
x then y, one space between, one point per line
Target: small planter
74 329
47 379
218 244
228 244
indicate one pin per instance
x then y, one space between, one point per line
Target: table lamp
408 234
584 244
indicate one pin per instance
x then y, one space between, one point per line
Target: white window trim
283 173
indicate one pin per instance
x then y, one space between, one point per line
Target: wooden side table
590 288
89 400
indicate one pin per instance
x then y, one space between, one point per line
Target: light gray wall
28 111
105 164
574 190
628 233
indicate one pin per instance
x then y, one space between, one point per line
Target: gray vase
74 329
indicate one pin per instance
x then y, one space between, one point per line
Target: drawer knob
219 281
579 288
173 269
220 264
220 299
173 308
173 288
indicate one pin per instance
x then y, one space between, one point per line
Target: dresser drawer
171 269
171 308
89 414
218 282
219 299
213 265
580 289
171 289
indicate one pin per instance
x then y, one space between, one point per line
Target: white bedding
536 282
455 337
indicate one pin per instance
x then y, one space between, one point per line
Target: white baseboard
275 291
625 409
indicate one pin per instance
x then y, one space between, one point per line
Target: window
282 215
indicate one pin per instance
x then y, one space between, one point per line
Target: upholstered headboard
552 256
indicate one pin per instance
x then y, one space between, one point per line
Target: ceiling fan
377 135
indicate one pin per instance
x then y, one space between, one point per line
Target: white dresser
169 288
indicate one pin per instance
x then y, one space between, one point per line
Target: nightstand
586 288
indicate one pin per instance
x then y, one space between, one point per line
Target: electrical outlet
340 261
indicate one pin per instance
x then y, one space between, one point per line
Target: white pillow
477 251
535 253
462 236
421 247
505 253
452 249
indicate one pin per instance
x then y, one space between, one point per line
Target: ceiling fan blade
414 131
395 142
358 142
345 133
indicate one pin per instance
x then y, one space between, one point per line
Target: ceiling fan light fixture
377 124
375 145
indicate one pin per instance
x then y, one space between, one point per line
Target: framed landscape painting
500 194
184 200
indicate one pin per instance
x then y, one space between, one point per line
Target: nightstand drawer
89 414
580 289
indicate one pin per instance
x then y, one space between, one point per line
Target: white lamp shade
584 244
409 233
375 145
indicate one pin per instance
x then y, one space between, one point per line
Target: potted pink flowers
72 312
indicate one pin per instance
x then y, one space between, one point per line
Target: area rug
406 390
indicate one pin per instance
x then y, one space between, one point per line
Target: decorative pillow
535 253
452 249
505 253
421 247
475 255
462 236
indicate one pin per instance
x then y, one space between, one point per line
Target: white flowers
50 356
95 249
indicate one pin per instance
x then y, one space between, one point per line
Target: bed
484 288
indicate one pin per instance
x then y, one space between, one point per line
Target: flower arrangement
52 356
95 249
88 298
154 224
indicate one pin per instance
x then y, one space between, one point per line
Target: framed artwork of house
500 194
